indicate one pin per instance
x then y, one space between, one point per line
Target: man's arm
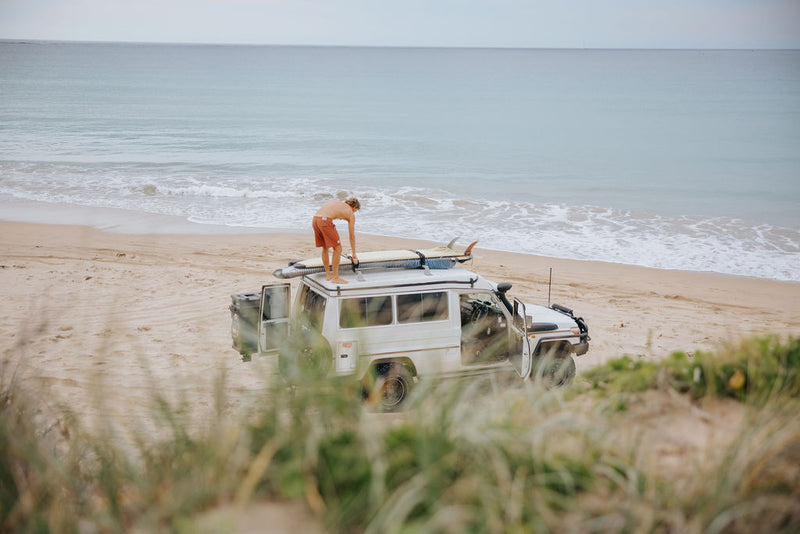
351 223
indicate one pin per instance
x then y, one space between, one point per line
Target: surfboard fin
453 242
469 248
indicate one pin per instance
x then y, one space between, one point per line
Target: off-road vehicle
391 328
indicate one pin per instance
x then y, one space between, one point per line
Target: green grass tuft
754 371
478 455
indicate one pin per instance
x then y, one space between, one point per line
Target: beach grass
478 455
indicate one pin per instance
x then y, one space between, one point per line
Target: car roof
399 279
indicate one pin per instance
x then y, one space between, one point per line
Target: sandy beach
129 311
94 322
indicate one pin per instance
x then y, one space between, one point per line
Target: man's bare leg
326 263
337 256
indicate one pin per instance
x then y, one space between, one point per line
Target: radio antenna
549 287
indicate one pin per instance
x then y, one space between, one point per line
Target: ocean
686 160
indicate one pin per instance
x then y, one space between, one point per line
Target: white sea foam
712 244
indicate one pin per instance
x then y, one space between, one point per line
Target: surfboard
443 257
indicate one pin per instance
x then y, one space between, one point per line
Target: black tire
307 356
555 371
390 387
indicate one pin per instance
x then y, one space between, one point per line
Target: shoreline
131 222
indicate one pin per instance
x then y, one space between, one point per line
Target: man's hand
355 260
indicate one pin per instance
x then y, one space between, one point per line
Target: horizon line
311 45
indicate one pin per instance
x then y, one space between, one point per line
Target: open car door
519 353
273 328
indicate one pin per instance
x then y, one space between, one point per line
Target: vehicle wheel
555 372
307 356
315 358
391 387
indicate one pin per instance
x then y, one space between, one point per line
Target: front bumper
581 348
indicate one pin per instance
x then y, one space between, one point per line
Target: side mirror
503 287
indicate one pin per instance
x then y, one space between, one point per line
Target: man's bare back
335 209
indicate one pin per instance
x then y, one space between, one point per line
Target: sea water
684 160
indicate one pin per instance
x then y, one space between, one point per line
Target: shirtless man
326 236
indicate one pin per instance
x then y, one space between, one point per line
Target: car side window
421 307
312 306
365 311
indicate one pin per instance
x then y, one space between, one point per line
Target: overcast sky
490 23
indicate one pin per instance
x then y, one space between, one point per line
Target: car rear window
365 311
420 307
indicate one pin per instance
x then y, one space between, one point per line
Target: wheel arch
554 347
381 366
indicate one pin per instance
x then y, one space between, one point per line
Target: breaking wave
693 243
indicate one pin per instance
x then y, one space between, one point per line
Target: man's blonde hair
353 203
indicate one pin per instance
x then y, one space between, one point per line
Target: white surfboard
442 257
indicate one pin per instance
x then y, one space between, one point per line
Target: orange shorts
325 233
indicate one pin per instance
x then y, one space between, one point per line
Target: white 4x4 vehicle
391 328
